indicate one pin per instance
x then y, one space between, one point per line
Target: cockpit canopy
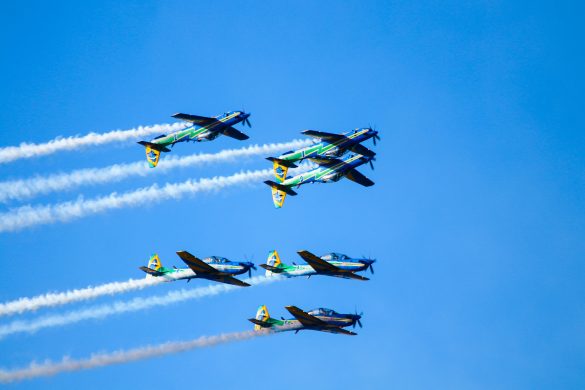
322 312
216 259
335 256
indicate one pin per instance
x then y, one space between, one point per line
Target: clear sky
477 217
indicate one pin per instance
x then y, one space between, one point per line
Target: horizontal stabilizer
154 146
281 187
284 163
151 271
271 268
260 323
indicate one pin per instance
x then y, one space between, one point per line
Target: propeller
371 162
252 267
370 267
357 320
376 137
246 121
251 264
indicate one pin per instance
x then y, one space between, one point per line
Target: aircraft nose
368 264
356 319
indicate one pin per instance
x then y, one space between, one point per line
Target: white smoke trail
119 307
27 216
26 150
22 305
67 364
28 188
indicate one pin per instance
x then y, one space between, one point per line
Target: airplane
202 129
323 320
331 264
329 170
218 269
327 145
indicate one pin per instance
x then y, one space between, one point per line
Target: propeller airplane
218 269
329 170
323 320
327 145
331 264
201 129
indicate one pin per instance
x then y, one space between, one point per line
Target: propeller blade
359 323
371 165
354 325
247 121
371 269
374 139
250 272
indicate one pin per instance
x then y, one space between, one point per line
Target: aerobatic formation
331 157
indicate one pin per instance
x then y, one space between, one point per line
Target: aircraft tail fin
281 168
261 317
153 152
273 264
279 193
153 267
152 156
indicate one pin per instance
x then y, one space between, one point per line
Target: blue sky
477 216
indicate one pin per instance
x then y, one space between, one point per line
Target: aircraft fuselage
330 149
327 174
196 133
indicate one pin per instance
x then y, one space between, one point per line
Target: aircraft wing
352 275
225 279
325 161
198 120
231 132
359 178
329 137
198 266
361 149
305 318
205 271
339 330
317 263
